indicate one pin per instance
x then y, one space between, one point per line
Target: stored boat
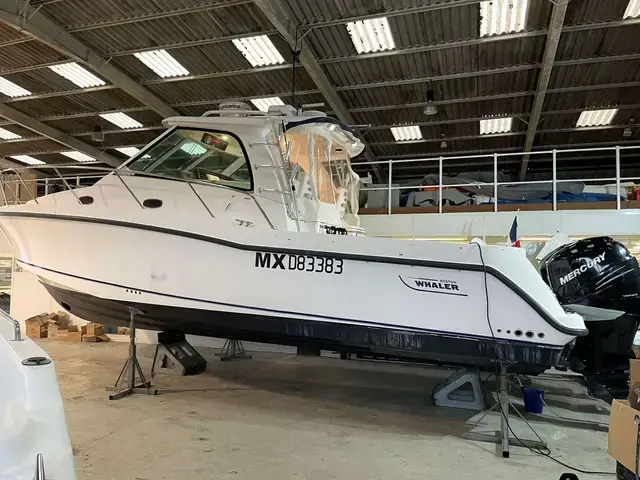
33 431
244 225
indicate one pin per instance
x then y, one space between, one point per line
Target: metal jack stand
232 349
133 367
502 436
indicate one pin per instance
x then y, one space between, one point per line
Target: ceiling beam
553 38
48 131
281 18
40 27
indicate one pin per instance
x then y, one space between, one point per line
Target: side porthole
152 203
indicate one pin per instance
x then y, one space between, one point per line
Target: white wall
578 223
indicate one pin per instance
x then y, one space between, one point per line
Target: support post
617 177
495 182
440 160
131 366
554 174
389 187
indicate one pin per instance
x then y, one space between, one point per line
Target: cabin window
202 155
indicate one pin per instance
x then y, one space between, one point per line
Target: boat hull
431 347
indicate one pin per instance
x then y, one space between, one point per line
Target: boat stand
502 406
177 357
131 366
233 349
450 393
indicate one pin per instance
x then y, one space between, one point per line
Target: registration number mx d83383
301 263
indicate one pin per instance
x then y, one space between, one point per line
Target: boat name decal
590 263
302 263
333 230
432 285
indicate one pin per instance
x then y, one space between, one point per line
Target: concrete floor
281 416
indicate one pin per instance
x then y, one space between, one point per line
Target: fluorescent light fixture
10 89
633 9
596 118
495 125
502 16
162 63
79 156
372 35
410 132
121 120
78 75
128 151
264 103
7 135
259 51
27 159
193 148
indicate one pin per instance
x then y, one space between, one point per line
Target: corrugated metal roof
217 23
74 13
175 22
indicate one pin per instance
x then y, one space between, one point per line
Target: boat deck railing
612 161
11 179
17 333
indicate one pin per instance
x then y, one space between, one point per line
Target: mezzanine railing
614 161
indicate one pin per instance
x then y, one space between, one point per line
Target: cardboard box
37 326
95 329
73 328
634 369
89 338
623 433
104 338
68 336
52 330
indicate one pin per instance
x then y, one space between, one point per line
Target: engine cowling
600 279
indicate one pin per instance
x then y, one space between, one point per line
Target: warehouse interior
319 239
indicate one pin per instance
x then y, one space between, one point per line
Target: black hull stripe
410 345
344 256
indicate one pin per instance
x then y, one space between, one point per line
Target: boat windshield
192 154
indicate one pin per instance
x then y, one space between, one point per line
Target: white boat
244 225
33 431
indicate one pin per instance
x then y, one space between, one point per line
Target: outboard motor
599 279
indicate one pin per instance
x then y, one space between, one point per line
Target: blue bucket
533 399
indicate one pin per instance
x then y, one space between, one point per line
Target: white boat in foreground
244 225
33 431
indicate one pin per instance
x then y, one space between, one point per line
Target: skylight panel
502 16
162 63
128 151
372 35
78 156
633 9
259 51
264 103
78 75
7 135
409 132
121 120
596 118
27 159
495 125
10 89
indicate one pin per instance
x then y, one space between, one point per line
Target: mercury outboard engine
599 279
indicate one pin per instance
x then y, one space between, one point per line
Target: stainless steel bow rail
556 155
17 333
